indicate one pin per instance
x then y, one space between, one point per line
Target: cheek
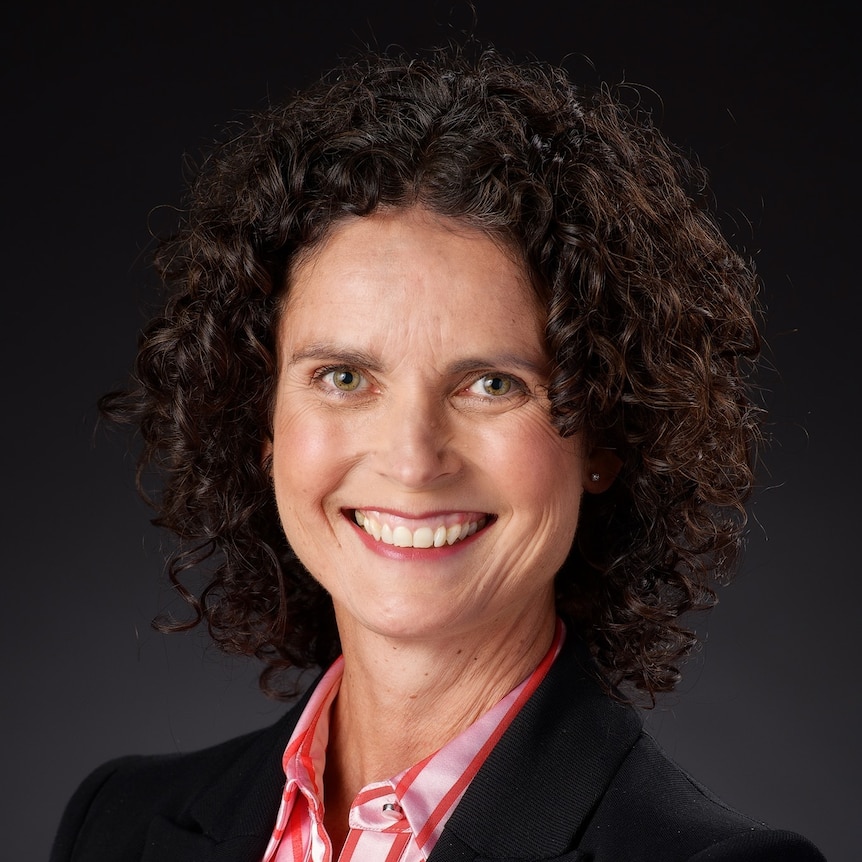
541 467
555 483
550 486
306 468
309 455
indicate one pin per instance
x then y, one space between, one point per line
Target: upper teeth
421 537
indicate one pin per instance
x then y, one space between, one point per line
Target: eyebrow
325 351
498 360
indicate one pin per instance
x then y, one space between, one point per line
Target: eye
494 385
342 379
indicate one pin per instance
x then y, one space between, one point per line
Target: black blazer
573 779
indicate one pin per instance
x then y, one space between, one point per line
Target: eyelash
516 386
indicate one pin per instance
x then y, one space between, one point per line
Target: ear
600 469
266 455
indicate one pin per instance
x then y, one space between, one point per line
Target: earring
594 477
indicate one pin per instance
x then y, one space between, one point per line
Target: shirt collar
422 796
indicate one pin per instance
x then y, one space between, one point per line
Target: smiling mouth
432 533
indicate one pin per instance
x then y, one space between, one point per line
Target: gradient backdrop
99 105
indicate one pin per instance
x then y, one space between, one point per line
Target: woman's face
416 471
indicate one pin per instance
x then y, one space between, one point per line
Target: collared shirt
397 820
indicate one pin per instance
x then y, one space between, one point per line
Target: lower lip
393 552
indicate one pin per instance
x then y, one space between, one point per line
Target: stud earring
594 477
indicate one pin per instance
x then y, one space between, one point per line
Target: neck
400 701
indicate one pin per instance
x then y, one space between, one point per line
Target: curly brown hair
650 326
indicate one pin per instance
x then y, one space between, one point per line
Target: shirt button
392 811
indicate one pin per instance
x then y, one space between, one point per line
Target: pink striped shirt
398 820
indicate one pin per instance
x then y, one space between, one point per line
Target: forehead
406 280
415 252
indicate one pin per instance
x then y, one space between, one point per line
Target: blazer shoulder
117 799
77 808
109 814
653 809
761 844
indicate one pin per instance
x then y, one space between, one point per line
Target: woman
450 383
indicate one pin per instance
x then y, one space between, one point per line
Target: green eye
345 379
493 384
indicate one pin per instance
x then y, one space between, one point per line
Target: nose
414 442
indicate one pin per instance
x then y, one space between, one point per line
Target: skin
412 375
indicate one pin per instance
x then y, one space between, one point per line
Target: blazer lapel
534 794
169 842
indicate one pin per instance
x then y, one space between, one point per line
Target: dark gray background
99 107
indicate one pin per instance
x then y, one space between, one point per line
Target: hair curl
649 324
